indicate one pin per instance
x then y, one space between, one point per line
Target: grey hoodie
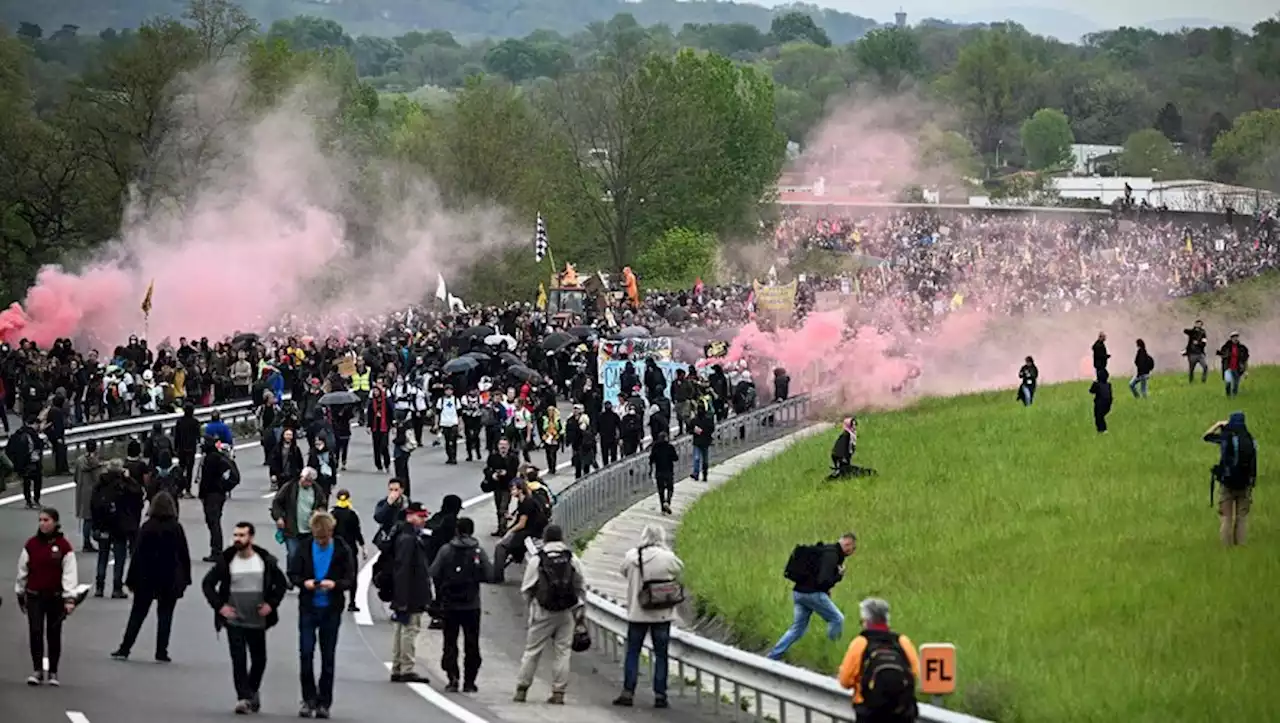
452 593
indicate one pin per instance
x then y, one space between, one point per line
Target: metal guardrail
604 494
134 426
739 683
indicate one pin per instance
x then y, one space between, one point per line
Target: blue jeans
291 545
701 461
1232 380
120 547
806 604
1138 385
660 633
318 624
1027 394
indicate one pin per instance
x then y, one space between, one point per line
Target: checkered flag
540 245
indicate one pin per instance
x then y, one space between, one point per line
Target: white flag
441 292
455 304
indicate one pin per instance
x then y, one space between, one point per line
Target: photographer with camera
1234 475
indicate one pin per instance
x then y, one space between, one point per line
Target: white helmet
147 376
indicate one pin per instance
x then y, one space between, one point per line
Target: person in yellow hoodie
881 667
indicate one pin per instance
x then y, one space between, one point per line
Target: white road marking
44 664
76 716
364 579
63 487
441 701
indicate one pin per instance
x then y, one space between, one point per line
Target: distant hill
466 19
1173 25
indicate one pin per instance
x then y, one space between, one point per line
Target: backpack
464 571
804 565
165 480
102 504
384 568
1242 469
554 589
542 495
888 687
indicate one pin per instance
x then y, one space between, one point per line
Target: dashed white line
76 716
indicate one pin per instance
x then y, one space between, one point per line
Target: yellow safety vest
360 382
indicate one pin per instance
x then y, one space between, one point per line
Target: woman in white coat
654 593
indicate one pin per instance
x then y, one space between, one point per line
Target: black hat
415 508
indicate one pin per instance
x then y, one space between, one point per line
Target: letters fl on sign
937 669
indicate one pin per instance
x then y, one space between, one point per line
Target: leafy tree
1250 151
30 31
1169 122
1047 138
797 26
1148 152
677 259
220 25
1217 125
989 77
890 54
308 32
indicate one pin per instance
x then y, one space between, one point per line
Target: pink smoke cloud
260 229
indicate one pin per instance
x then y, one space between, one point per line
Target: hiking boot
661 702
242 707
410 678
557 697
255 703
306 711
163 658
322 712
99 591
119 594
451 686
470 687
120 654
522 693
624 701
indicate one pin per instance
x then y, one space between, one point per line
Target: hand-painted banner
775 299
636 350
611 376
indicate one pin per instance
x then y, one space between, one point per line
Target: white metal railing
134 426
738 682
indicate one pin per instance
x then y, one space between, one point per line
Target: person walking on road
46 592
116 503
449 411
323 570
411 592
500 471
88 471
186 440
553 589
389 513
881 667
347 529
458 569
219 474
652 571
815 569
160 572
245 588
704 427
292 508
25 450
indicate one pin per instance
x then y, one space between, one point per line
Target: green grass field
1079 576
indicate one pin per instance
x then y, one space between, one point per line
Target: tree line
639 145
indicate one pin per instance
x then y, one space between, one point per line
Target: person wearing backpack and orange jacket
873 669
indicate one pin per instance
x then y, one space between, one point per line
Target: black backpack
554 590
102 505
384 568
465 570
542 495
1240 472
805 564
888 686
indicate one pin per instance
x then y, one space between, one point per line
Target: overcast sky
1103 13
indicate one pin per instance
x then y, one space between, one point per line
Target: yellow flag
542 297
1189 249
957 301
146 301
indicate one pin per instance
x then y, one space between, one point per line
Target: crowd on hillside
1015 263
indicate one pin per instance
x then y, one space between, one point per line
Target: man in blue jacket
323 570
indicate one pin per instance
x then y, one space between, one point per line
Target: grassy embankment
1079 576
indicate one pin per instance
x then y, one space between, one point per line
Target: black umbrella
461 365
633 332
525 374
479 356
480 332
556 341
511 359
335 399
582 332
677 315
243 340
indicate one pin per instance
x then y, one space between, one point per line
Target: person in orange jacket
881 667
